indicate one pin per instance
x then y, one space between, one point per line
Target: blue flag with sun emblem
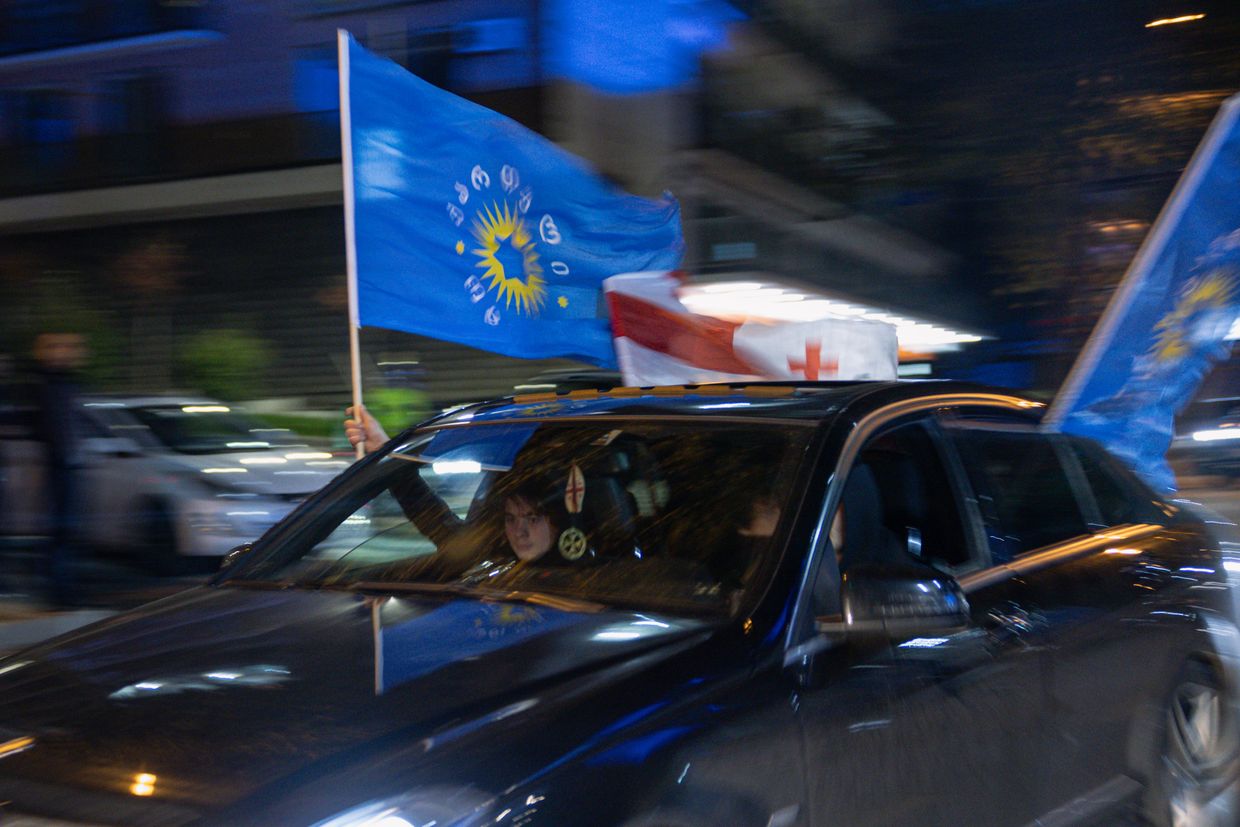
471 228
1170 319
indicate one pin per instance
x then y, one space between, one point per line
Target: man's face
528 531
60 351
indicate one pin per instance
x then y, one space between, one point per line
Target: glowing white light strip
1167 21
456 466
770 301
1216 434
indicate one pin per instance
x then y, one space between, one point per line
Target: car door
114 474
1083 583
938 729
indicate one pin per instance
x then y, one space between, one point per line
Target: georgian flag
660 342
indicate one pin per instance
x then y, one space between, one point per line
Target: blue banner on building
471 228
626 47
1167 324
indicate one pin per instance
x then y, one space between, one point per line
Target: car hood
218 691
265 473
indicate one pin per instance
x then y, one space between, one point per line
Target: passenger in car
532 512
858 532
746 526
856 536
527 526
763 517
534 516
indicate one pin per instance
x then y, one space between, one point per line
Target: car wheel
1197 781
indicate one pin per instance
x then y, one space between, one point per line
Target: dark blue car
837 604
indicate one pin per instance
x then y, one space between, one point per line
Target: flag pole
350 237
1164 225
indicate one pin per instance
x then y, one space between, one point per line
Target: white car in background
173 478
1208 440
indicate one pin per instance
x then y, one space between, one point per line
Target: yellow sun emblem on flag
1211 292
504 237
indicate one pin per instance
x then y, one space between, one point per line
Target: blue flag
458 631
471 228
1167 323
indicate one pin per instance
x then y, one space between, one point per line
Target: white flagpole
1164 226
350 237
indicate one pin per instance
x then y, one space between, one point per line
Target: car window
667 516
898 507
120 424
209 429
914 515
91 427
1118 495
1022 486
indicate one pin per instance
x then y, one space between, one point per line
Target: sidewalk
23 622
107 589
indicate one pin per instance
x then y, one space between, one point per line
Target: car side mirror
234 555
897 602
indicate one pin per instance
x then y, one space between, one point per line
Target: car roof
147 400
803 402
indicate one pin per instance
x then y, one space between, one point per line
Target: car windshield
209 429
657 515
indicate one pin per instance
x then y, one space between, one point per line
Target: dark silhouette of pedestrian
57 423
9 431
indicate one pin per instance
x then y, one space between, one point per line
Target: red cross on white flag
574 490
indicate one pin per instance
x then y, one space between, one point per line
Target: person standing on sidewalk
9 430
57 423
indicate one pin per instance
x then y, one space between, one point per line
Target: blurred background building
969 169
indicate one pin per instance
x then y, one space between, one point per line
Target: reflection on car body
1013 628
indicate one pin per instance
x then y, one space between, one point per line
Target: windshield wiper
551 601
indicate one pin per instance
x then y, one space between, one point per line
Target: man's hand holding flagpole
363 431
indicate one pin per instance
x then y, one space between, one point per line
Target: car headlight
438 806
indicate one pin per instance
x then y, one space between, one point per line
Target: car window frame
330 504
977 552
1078 482
801 638
1122 475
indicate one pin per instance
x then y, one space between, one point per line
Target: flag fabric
1167 322
660 342
427 641
471 228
